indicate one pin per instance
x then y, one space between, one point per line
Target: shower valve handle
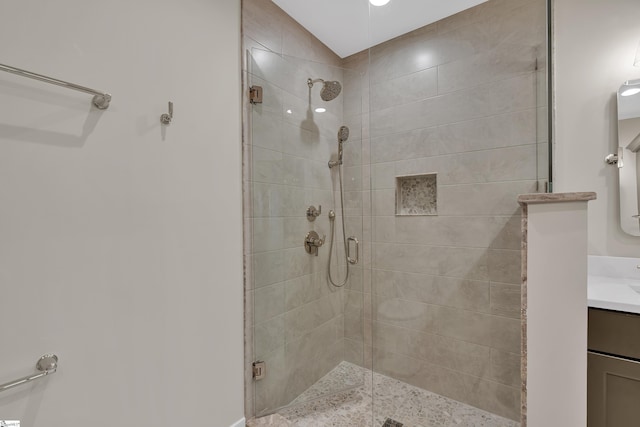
313 213
312 242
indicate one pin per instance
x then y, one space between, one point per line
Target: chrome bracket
255 94
259 370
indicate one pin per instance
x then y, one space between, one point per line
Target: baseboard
241 423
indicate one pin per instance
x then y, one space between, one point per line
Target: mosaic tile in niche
417 194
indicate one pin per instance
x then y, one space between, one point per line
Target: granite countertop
524 199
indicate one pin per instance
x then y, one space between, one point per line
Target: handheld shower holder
333 163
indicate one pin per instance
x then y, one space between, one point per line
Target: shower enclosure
409 310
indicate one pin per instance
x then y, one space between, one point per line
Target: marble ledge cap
526 199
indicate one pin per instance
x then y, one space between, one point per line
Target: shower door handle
349 259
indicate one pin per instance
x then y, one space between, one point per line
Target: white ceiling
344 26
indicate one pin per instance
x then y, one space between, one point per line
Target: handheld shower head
330 89
343 135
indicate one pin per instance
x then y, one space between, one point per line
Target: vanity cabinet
613 364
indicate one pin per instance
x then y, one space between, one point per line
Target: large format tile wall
295 319
458 98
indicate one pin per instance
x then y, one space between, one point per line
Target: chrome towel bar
47 364
100 99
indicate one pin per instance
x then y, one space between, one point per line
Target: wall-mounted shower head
330 89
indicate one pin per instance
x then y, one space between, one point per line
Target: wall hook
166 118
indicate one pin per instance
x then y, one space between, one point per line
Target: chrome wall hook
165 119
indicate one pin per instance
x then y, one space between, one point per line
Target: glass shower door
309 344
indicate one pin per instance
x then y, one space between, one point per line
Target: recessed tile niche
417 195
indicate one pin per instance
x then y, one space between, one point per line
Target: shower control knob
312 242
313 213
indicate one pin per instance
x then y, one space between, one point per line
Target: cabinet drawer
613 391
614 332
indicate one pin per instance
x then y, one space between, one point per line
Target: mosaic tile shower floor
320 406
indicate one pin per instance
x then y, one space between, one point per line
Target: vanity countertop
614 283
614 293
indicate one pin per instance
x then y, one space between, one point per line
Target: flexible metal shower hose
344 237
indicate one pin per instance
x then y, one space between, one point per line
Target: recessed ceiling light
378 2
320 110
630 92
289 112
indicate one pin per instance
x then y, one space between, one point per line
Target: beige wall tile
266 130
505 334
269 336
401 56
268 234
354 352
383 176
406 314
468 231
470 263
506 300
405 89
504 96
302 320
430 289
522 26
303 290
501 164
267 166
497 198
504 266
353 326
501 62
383 202
504 130
268 302
450 353
510 234
497 332
406 117
505 368
262 20
268 268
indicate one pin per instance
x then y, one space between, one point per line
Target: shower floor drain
391 423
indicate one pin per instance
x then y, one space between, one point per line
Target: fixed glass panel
458 116
309 117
